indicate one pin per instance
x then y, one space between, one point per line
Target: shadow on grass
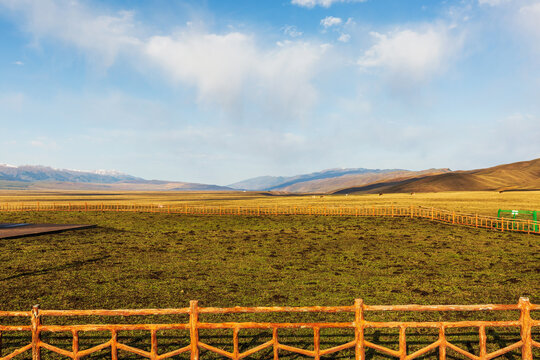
71 265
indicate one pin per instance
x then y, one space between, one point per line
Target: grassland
481 202
168 259
136 260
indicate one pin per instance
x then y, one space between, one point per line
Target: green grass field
137 260
169 259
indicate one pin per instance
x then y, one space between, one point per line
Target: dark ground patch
17 230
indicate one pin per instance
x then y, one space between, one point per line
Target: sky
217 91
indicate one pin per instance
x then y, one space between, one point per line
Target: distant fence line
430 213
359 344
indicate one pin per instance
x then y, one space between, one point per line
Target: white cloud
324 3
493 2
104 35
18 63
412 55
532 9
344 38
330 21
292 31
228 69
217 65
44 143
529 20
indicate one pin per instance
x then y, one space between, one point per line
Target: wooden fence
359 323
451 217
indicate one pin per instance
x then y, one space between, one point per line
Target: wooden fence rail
451 217
358 324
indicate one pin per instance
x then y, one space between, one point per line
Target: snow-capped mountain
30 173
44 177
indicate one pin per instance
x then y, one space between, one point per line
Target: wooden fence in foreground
359 324
430 213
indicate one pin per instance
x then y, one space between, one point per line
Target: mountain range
269 183
524 175
44 177
328 180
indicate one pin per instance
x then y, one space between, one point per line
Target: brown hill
524 175
350 180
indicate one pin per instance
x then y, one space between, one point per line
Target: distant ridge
523 175
328 180
281 183
328 185
29 177
28 173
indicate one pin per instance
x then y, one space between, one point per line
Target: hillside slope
524 175
340 182
281 183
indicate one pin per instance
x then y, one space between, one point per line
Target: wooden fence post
114 343
75 345
236 349
193 331
526 336
483 341
276 343
360 347
442 346
35 324
153 344
316 343
402 343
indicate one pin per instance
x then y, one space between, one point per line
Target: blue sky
218 91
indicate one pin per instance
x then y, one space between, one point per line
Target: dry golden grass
481 202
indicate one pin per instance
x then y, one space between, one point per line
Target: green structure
524 215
